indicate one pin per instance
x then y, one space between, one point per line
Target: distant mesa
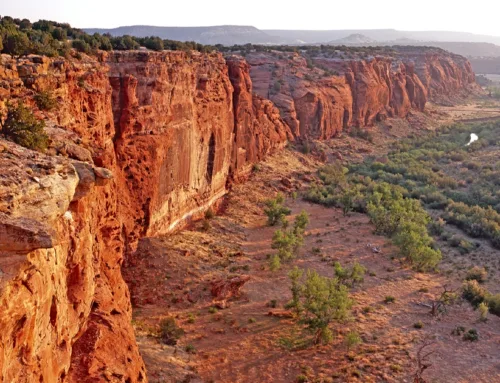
222 34
353 39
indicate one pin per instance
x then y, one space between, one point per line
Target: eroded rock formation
140 142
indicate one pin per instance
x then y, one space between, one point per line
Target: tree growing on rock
22 127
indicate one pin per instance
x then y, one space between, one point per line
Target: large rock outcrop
140 142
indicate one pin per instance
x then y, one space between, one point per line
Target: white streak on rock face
68 216
473 138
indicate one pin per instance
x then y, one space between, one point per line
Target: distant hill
355 38
382 35
467 49
466 44
223 34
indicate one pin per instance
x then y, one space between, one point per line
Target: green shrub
477 273
16 44
170 333
275 210
274 262
474 293
22 127
45 101
190 349
352 339
389 299
483 311
273 303
436 227
351 275
418 325
472 335
288 241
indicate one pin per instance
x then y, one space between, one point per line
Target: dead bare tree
423 362
439 305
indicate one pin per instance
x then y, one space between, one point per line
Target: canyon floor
172 275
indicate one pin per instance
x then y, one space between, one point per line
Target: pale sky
479 16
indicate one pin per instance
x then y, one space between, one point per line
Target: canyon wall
320 97
65 308
141 142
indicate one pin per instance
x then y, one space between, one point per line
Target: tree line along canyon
178 212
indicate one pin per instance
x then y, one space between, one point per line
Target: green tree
17 44
22 127
275 210
153 43
285 242
25 24
81 46
59 34
321 300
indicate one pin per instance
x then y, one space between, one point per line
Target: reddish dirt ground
171 276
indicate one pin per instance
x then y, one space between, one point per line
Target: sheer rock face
327 95
258 127
66 310
140 143
174 131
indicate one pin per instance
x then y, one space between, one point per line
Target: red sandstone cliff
163 125
65 309
258 127
334 92
140 142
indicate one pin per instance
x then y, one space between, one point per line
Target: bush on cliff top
22 127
